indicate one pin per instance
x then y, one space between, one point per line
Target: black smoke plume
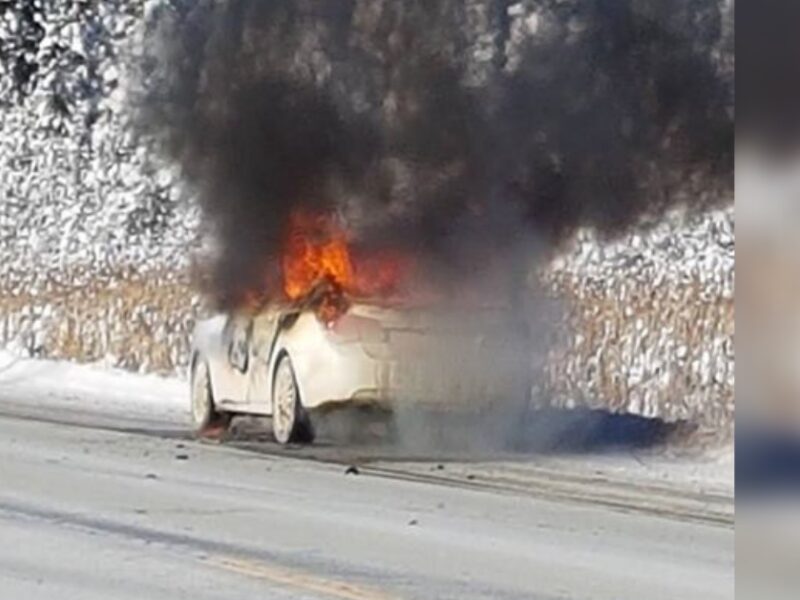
455 130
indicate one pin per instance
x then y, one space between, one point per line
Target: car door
266 328
236 336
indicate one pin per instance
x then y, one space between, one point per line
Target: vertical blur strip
768 298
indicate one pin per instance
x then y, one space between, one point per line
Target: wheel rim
201 396
284 412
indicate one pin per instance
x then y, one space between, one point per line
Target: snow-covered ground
60 389
95 396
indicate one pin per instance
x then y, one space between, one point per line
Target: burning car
338 337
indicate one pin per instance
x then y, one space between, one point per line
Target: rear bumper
464 387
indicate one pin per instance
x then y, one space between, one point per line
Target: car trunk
469 357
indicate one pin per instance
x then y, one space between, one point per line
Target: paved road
88 513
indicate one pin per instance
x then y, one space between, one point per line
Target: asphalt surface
88 510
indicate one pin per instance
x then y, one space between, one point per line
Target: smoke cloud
456 131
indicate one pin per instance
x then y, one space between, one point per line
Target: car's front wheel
290 422
207 421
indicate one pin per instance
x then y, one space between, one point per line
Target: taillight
351 329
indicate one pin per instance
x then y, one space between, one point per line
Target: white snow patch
62 387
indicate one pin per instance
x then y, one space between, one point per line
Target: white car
286 362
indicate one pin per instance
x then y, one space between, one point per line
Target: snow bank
57 389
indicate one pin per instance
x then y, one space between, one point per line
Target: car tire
207 421
290 421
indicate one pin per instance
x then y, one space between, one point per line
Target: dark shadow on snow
592 431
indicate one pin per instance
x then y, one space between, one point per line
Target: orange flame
318 250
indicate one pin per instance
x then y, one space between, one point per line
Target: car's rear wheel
290 422
207 421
